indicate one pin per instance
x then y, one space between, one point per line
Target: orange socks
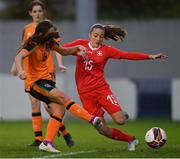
55 122
53 127
37 125
77 110
63 129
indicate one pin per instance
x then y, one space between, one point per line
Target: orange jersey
37 65
29 30
50 62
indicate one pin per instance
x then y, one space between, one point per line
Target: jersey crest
99 53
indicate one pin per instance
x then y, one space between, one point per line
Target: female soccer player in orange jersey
93 89
37 11
39 83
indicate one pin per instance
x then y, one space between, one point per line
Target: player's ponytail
42 35
111 32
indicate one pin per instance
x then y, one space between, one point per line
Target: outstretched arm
143 56
18 62
75 50
119 54
13 70
60 63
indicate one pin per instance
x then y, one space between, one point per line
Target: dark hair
111 32
43 27
34 3
42 36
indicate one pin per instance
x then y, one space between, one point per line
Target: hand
160 56
62 68
82 50
22 75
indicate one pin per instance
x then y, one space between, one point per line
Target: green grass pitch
15 136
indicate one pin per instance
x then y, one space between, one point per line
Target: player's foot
69 141
36 143
132 144
47 146
96 122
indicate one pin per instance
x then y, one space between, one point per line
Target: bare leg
60 98
114 133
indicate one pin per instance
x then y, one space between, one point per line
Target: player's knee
60 98
120 121
35 104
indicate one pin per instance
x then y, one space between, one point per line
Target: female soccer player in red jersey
39 83
93 89
37 13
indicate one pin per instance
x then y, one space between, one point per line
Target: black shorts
41 88
53 78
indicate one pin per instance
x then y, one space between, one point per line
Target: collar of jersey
90 46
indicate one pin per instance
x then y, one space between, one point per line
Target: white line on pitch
68 153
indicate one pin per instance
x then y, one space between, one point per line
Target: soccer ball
155 137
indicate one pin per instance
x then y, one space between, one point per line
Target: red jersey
90 70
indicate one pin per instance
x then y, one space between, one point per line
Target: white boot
48 147
132 144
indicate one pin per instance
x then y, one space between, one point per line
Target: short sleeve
30 45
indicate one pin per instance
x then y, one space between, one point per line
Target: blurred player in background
93 89
37 11
39 83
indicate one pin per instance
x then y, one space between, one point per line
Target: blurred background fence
144 88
